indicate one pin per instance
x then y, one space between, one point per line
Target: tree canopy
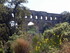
66 16
61 30
6 16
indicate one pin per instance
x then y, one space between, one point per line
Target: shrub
58 34
65 48
20 46
40 44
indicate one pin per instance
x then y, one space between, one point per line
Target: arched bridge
42 19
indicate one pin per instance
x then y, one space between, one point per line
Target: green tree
58 34
3 22
66 16
5 18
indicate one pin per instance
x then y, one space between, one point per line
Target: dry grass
65 48
20 46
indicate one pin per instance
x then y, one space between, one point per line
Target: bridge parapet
43 16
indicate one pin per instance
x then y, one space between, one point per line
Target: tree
5 17
62 29
58 33
66 16
3 22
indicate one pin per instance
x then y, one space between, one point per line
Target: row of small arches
36 17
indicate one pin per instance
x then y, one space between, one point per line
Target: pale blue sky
52 6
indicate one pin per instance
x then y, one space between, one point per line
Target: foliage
58 34
20 46
66 16
22 35
50 42
65 48
4 31
52 39
1 49
41 45
61 30
32 30
5 18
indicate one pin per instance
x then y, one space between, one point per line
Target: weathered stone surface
43 19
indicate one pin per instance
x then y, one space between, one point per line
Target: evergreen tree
6 17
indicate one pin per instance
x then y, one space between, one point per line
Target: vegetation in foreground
53 40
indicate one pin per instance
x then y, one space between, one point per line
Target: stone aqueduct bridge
43 19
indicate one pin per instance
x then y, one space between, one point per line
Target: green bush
52 39
60 31
39 44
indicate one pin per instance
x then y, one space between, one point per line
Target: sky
51 6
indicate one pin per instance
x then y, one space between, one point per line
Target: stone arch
31 16
34 27
41 17
51 18
55 18
46 17
36 17
30 23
